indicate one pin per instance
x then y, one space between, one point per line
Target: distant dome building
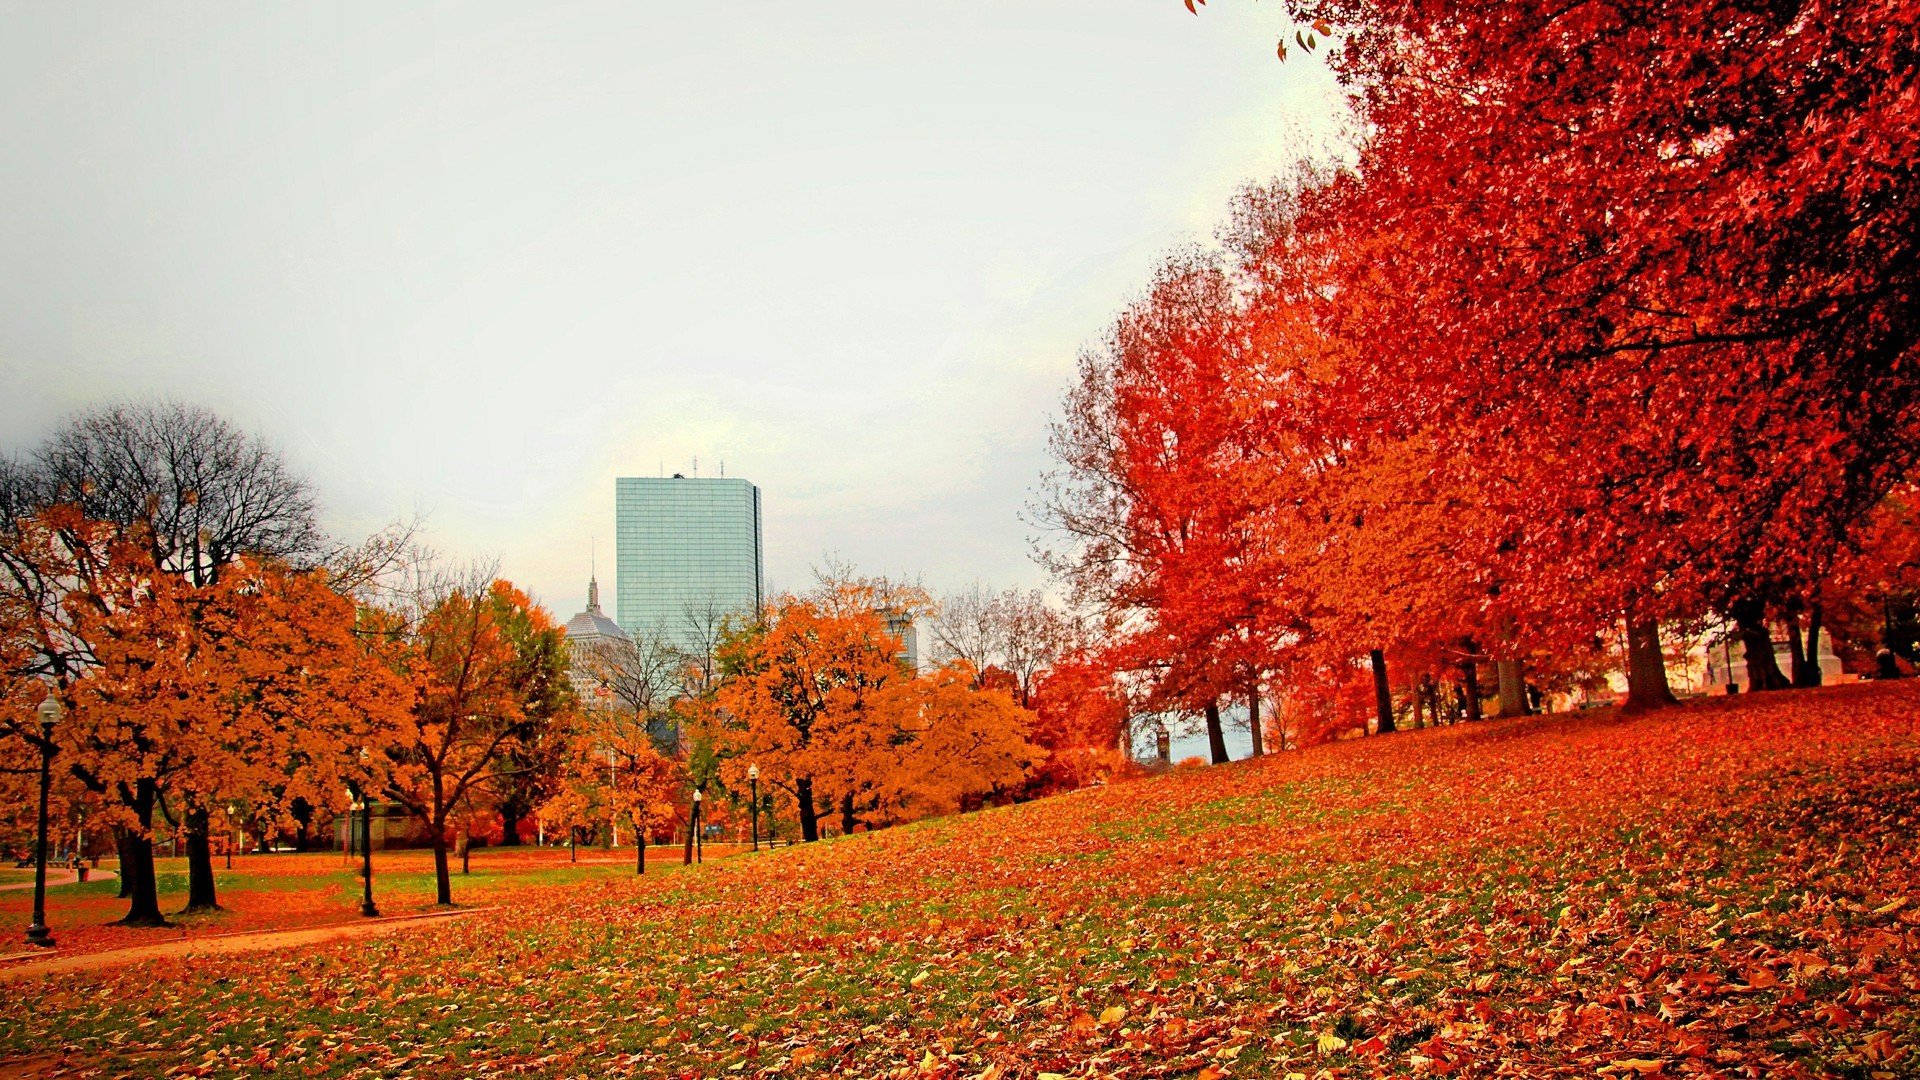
592 626
596 647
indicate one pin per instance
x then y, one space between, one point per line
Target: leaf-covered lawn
293 891
1725 889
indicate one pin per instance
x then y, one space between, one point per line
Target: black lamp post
365 808
37 933
753 802
693 829
233 828
699 827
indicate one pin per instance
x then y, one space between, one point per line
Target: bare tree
1036 636
967 628
704 625
203 492
839 588
1015 631
379 565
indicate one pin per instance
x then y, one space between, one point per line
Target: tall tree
178 487
483 663
1700 371
799 701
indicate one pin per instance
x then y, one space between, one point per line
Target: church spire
593 575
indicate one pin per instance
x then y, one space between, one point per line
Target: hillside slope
1728 888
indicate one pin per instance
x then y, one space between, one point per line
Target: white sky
480 259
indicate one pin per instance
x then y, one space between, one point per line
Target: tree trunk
136 865
466 852
1253 719
123 847
1806 661
510 815
1470 681
1646 668
303 820
809 814
1756 643
1513 687
846 814
1216 735
1382 693
200 890
442 879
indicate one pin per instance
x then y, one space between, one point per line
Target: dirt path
223 944
59 877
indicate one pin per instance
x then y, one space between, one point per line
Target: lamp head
753 772
51 710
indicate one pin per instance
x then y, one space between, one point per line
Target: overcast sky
480 259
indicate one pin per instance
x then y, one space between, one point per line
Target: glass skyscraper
686 550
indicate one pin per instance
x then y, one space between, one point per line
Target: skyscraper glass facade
685 548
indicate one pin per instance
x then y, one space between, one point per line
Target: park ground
286 891
1729 888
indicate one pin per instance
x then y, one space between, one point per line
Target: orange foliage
486 667
818 701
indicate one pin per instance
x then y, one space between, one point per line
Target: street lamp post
753 802
693 829
233 830
37 933
364 806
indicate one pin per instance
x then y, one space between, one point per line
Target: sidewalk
14 966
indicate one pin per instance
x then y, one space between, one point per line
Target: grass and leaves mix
1726 889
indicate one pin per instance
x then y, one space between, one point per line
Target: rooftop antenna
696 465
723 468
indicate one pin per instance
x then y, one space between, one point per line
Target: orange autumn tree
485 665
950 743
1682 392
798 698
285 695
818 700
248 688
612 771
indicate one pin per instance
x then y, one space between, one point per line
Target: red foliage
1078 722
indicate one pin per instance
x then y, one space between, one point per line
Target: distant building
1727 664
900 625
595 644
687 549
